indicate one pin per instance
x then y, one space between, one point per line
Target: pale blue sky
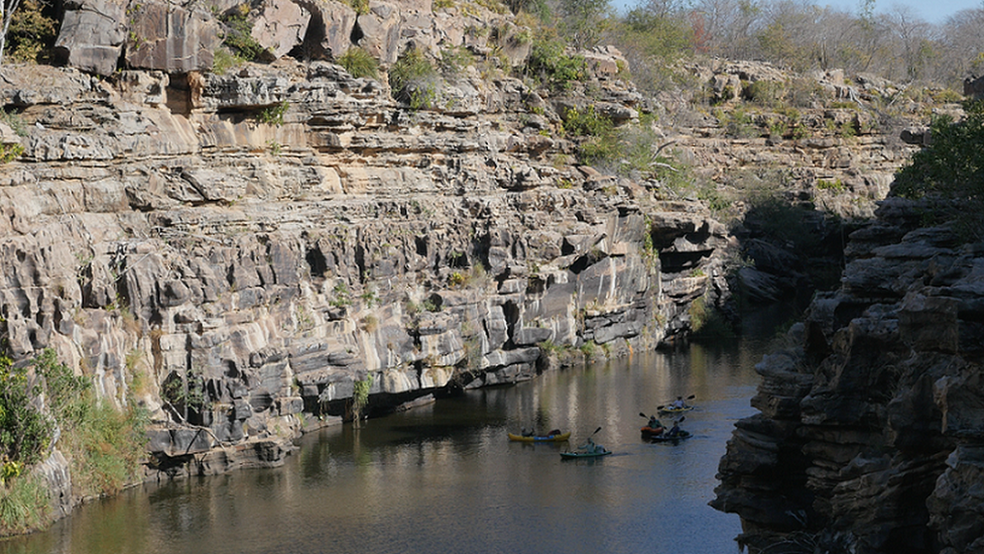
933 11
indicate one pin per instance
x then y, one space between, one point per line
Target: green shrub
586 122
766 93
239 33
341 296
413 80
104 445
361 7
223 60
185 393
698 314
32 33
950 169
454 60
24 505
737 123
10 152
25 432
952 165
359 63
588 348
274 115
836 186
360 395
549 65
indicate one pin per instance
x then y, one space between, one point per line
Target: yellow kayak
540 438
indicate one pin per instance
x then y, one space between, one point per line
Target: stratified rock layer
238 252
869 436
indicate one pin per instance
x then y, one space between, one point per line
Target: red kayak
650 432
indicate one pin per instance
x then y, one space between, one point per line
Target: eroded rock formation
868 435
233 270
240 251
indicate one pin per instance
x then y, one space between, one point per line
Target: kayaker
674 431
679 403
591 448
654 423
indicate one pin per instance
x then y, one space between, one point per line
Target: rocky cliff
868 437
240 252
245 251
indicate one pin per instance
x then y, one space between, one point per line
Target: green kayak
666 437
583 454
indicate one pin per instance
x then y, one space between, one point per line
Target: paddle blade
596 430
642 414
691 397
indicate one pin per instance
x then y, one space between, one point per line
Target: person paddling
654 423
679 403
591 448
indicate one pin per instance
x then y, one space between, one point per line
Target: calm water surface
445 479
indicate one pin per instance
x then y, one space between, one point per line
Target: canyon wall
868 438
240 277
244 251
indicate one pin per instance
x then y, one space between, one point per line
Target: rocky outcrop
868 435
239 252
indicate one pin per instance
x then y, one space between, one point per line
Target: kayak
667 438
648 431
669 411
583 454
540 438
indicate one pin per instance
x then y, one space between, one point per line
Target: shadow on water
444 477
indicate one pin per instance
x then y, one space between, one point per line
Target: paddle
589 436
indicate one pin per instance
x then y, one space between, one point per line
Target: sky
933 11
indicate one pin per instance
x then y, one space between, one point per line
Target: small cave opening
178 97
317 262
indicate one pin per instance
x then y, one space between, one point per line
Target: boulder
379 31
92 35
171 38
280 26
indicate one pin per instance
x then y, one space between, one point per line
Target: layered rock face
239 252
868 437
242 252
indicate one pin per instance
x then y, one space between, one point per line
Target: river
444 478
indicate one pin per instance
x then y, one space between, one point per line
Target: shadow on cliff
788 251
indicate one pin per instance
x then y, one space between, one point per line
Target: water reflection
444 478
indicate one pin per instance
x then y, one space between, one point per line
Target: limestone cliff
868 437
240 251
239 272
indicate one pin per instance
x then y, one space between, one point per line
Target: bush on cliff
414 80
950 170
103 445
359 63
550 65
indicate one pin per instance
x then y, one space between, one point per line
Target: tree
7 10
584 21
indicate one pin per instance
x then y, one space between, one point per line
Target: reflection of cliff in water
444 477
869 434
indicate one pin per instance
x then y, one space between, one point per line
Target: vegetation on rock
414 80
950 171
44 403
359 63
